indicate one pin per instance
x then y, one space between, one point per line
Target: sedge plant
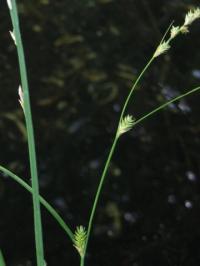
81 236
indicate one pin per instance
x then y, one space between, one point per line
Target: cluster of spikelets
190 17
80 237
127 122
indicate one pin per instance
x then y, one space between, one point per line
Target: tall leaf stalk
25 102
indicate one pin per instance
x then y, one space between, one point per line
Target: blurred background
83 57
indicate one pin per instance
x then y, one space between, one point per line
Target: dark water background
82 58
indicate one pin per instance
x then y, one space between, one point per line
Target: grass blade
49 208
31 142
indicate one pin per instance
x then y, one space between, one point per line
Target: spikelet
161 49
174 31
80 236
125 125
191 16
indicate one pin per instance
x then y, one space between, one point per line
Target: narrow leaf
49 208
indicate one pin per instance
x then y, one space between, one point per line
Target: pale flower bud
174 31
162 48
191 16
125 125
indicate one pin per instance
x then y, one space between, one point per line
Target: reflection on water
171 199
191 176
196 73
188 204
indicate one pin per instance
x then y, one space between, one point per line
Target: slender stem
133 88
49 208
98 194
82 261
140 76
30 135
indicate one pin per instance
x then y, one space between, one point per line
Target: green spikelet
80 236
125 124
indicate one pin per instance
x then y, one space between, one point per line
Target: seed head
161 49
191 16
80 236
174 31
125 125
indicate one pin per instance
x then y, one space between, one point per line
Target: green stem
98 194
49 208
30 135
139 78
82 261
133 88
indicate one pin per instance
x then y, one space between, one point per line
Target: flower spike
125 125
161 49
80 236
191 16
